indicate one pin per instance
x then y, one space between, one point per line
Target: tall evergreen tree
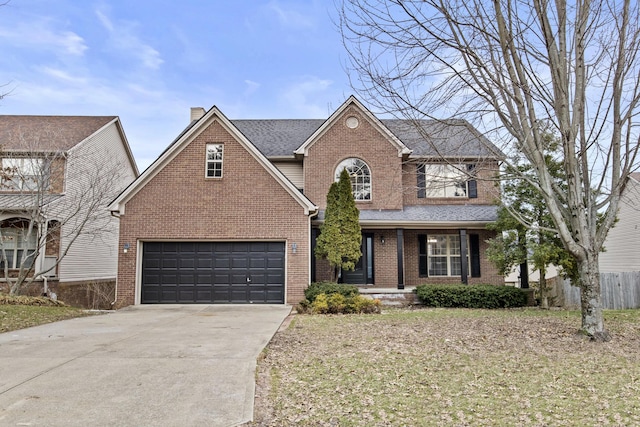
340 236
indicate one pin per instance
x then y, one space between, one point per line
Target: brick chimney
197 113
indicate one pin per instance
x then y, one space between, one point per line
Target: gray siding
94 256
622 247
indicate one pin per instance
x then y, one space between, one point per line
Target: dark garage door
213 272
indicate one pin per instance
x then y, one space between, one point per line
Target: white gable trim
212 116
304 148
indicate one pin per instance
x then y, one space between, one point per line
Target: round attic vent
352 122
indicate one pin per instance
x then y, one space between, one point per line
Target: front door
363 273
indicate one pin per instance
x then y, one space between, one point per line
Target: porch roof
22 202
428 216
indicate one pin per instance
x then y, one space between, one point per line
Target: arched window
360 175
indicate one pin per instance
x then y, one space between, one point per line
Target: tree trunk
590 299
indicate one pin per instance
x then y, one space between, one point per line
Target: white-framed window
214 160
442 180
16 242
23 173
360 175
443 255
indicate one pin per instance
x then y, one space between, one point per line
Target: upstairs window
214 160
360 175
445 181
24 174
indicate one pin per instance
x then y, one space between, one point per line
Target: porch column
464 253
400 240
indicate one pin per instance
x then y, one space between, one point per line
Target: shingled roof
434 138
42 133
428 214
277 137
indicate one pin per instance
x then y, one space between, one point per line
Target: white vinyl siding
94 257
622 250
293 171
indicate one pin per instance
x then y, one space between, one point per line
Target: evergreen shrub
471 296
329 288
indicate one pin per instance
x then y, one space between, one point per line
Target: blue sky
150 61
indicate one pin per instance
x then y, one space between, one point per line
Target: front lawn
24 312
426 367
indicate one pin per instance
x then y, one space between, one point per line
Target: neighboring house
622 252
58 175
230 211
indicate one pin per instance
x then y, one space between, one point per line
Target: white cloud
123 39
289 17
251 87
62 75
303 96
40 34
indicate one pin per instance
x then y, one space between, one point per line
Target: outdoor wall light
125 248
382 239
294 247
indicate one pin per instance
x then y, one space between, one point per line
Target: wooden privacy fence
619 291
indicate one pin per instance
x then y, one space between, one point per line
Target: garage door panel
204 279
274 279
204 262
221 262
186 279
239 263
168 279
257 263
240 247
167 263
276 263
204 295
213 272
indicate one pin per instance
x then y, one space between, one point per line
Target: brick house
230 211
58 175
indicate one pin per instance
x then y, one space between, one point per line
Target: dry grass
18 312
446 367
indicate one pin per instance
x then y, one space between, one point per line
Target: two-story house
230 211
58 175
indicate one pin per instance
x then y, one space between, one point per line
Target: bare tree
513 69
51 198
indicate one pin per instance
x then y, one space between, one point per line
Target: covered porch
420 244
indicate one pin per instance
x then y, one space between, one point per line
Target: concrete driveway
153 365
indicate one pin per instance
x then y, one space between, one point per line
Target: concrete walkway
153 365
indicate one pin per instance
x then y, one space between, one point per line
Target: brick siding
365 142
247 203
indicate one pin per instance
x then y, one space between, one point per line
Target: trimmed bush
471 296
339 304
329 288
